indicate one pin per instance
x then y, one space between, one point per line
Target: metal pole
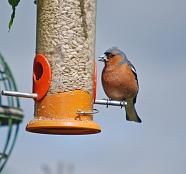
110 102
34 95
19 94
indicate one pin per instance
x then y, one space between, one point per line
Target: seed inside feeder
65 35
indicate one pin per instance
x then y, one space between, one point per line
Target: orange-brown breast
119 82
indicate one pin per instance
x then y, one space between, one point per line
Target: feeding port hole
38 70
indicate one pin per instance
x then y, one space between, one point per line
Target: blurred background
153 35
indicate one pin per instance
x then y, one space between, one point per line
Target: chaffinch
119 80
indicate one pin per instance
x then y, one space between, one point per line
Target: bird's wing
136 77
132 66
124 61
133 69
134 100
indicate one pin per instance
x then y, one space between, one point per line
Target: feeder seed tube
66 36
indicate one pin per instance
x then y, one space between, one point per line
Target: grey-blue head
111 52
115 51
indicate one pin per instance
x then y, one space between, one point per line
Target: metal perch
19 94
110 102
34 95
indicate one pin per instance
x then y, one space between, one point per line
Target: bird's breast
119 82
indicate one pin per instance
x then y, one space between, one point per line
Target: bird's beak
102 58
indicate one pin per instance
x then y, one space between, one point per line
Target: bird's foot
123 104
107 101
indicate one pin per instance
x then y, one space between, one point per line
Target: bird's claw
123 104
107 103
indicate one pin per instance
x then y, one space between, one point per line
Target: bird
120 81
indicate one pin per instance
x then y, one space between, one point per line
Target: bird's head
113 56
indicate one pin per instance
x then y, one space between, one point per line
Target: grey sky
153 35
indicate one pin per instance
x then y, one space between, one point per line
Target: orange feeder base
65 113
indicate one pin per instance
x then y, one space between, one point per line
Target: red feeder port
41 76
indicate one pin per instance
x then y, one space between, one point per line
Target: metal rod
34 95
19 94
110 102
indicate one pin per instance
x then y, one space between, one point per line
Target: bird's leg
123 104
108 99
107 102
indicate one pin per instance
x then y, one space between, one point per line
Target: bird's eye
111 55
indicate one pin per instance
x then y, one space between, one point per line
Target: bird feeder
64 68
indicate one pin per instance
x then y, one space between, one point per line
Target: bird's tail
131 114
